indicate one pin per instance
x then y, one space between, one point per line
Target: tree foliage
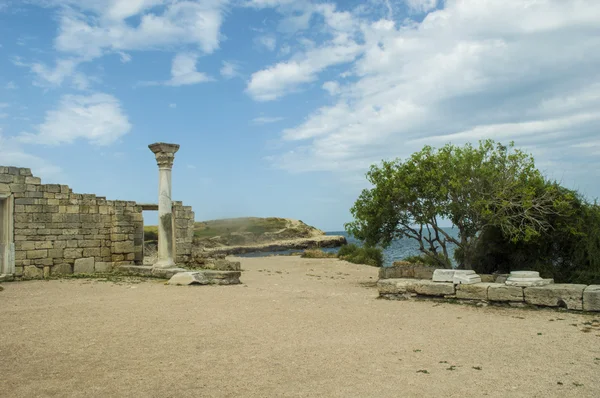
490 186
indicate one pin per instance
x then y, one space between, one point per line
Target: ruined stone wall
58 232
184 221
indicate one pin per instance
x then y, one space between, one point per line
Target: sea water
396 251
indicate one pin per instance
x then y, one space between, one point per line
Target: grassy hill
239 231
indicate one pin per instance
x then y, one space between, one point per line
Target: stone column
165 154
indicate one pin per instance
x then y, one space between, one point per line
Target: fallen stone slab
591 298
525 279
205 278
443 275
501 292
556 295
465 277
396 286
477 291
431 288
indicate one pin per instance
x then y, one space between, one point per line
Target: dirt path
298 328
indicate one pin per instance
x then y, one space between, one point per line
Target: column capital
165 153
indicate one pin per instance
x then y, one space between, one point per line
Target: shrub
423 260
361 255
317 253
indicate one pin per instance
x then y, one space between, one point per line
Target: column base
164 264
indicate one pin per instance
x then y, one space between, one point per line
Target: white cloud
183 72
230 70
97 118
266 120
268 42
475 69
125 58
11 86
421 5
172 105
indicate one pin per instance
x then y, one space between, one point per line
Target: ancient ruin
48 230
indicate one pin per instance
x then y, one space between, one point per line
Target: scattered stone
466 277
525 279
501 292
205 278
84 266
478 291
565 295
591 298
443 275
430 288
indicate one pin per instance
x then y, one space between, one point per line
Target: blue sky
280 106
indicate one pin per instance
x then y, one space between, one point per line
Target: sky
281 106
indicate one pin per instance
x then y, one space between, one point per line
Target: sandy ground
301 328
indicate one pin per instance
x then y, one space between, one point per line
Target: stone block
18 188
423 272
205 278
84 265
396 286
33 180
443 275
6 178
501 292
465 277
591 298
62 269
24 171
33 254
73 252
525 278
103 266
91 252
4 188
123 247
477 291
430 288
32 272
556 295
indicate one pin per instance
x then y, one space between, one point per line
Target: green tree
475 188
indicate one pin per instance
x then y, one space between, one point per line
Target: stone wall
184 232
57 231
569 296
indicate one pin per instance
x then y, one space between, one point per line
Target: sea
396 251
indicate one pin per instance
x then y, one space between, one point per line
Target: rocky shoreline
322 241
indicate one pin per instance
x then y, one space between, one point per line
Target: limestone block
71 252
430 288
423 272
6 178
556 295
466 277
123 247
103 266
33 254
84 265
396 286
488 278
4 188
591 298
525 278
205 278
33 180
477 291
501 292
443 275
61 269
32 272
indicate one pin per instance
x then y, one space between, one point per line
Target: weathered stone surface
487 278
61 269
101 266
501 292
556 295
525 278
222 265
423 272
591 298
84 265
443 275
477 291
205 278
32 272
465 277
430 288
396 286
